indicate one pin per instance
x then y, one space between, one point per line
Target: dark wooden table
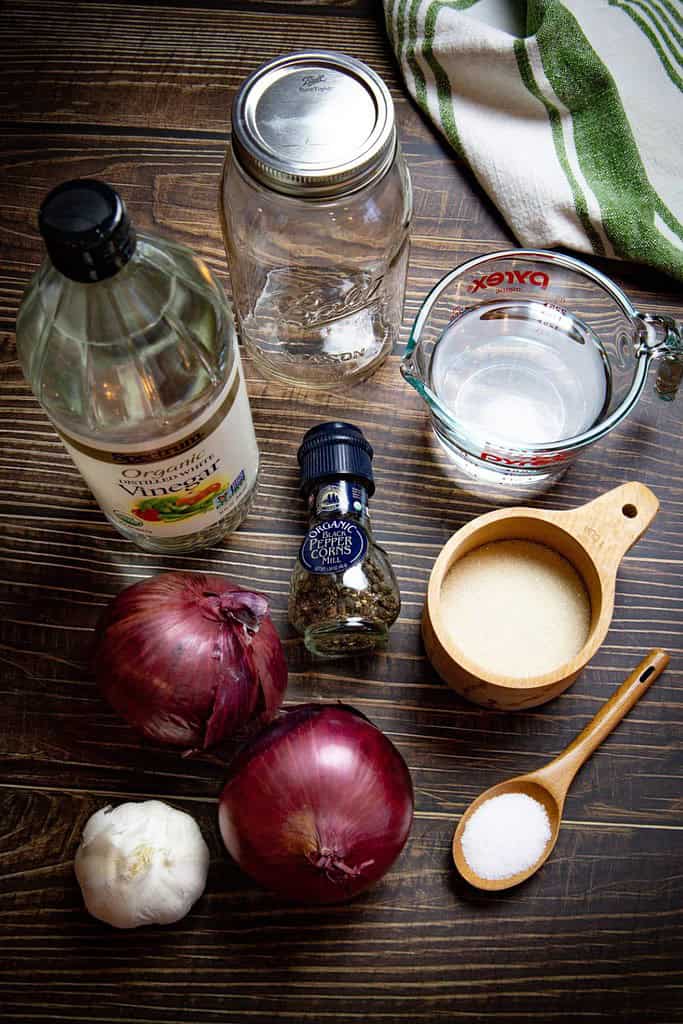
140 95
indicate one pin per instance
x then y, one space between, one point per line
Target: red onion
189 659
318 805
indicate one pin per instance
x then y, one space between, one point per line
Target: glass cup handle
664 341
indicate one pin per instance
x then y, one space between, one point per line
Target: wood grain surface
140 94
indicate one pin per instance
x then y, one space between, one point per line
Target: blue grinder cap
335 450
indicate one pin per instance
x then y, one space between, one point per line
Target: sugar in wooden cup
573 557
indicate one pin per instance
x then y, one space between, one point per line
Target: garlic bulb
141 863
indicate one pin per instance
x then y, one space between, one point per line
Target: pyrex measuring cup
525 358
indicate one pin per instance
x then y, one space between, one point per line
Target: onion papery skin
190 659
318 806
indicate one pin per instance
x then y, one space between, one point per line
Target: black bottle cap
335 450
86 230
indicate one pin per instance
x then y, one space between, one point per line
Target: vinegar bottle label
187 483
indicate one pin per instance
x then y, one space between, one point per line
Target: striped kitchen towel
569 113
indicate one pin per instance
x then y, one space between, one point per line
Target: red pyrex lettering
521 461
535 277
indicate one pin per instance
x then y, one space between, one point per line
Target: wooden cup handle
611 524
558 774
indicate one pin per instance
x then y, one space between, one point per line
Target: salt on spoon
505 835
509 849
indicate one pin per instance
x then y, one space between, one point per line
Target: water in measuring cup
521 372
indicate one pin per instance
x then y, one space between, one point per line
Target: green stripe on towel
662 25
443 82
572 168
675 14
420 83
607 151
647 31
580 204
664 15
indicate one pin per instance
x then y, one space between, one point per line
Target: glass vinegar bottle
129 345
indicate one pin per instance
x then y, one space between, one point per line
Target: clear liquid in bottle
128 344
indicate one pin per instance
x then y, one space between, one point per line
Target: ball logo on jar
314 83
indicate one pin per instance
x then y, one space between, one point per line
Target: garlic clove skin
141 863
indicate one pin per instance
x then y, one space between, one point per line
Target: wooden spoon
549 785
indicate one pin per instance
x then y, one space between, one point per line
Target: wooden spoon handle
558 774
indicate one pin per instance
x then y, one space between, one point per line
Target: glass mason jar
316 206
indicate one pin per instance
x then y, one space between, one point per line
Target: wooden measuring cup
594 538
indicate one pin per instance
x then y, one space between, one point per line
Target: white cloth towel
570 114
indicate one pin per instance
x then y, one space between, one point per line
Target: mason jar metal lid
314 124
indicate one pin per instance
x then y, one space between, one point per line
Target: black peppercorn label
333 546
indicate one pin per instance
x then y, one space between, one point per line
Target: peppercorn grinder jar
315 207
343 595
